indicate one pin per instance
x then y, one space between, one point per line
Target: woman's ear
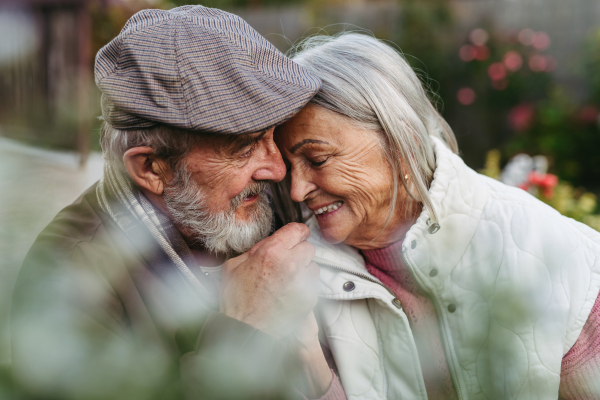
146 171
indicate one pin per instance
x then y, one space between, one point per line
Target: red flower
521 117
546 182
588 114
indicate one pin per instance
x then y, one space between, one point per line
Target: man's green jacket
99 314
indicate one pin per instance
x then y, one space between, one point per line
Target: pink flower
479 37
467 53
526 36
540 40
482 53
466 96
512 61
538 63
497 71
588 114
521 117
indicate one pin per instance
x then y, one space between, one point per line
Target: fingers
286 250
287 236
290 235
302 253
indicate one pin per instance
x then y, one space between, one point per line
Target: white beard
219 233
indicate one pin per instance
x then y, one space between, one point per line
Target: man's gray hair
373 85
169 143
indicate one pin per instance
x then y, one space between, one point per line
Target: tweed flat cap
201 69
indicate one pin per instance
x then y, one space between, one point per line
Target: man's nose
271 165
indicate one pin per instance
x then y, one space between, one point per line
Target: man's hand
273 286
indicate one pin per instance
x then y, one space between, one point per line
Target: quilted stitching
523 279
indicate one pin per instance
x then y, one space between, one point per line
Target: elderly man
122 295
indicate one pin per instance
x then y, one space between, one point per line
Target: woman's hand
315 375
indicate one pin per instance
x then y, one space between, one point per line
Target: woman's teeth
332 207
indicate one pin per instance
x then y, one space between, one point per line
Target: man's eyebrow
305 141
245 141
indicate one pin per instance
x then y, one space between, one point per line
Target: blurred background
510 76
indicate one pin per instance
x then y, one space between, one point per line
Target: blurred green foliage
522 111
568 133
565 129
591 65
517 106
517 101
426 39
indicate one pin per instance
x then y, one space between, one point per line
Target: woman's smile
327 210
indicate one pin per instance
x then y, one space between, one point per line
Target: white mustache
250 190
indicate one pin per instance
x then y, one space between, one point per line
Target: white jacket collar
339 264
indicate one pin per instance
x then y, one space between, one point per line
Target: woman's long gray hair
371 84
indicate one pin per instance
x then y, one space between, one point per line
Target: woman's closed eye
315 163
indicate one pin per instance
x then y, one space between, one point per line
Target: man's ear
146 171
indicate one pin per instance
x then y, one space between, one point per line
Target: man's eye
247 152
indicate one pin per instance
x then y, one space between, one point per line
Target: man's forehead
229 143
241 141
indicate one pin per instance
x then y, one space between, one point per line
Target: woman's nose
301 184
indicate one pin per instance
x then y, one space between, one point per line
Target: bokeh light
512 61
482 53
538 63
479 37
466 96
497 71
526 36
541 41
520 117
467 53
589 114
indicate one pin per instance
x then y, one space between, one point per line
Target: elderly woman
436 282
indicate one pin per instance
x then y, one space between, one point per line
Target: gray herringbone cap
201 69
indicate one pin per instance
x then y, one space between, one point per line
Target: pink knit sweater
580 370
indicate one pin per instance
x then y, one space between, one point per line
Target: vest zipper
367 277
445 340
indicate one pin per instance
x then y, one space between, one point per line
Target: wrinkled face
226 166
219 200
340 172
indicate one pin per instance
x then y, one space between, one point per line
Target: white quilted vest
514 283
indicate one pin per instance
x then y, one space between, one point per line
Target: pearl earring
406 177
